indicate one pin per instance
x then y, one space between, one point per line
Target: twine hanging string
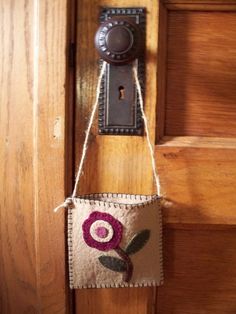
154 169
69 200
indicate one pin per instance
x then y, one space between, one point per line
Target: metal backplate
119 107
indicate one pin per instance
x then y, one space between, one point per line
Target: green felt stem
126 258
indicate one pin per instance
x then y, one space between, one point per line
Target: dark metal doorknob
118 41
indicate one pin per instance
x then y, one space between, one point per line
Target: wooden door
191 106
190 103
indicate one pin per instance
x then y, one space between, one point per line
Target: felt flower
102 231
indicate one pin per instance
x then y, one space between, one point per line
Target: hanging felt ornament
114 240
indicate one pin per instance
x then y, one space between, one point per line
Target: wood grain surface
116 301
161 71
32 156
18 284
201 67
196 159
200 5
199 183
53 157
200 273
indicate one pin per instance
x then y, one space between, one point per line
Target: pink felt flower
102 231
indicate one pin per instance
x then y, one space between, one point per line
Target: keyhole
121 92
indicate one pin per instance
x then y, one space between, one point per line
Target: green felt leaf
137 242
113 263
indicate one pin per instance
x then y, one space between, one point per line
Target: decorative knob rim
105 49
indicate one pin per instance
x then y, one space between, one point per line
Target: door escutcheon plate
119 107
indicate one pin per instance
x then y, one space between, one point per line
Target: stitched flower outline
104 232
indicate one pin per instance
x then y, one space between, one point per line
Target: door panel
198 177
196 157
201 74
189 102
197 172
199 271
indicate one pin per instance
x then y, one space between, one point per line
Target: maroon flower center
101 232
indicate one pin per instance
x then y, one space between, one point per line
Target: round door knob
118 41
